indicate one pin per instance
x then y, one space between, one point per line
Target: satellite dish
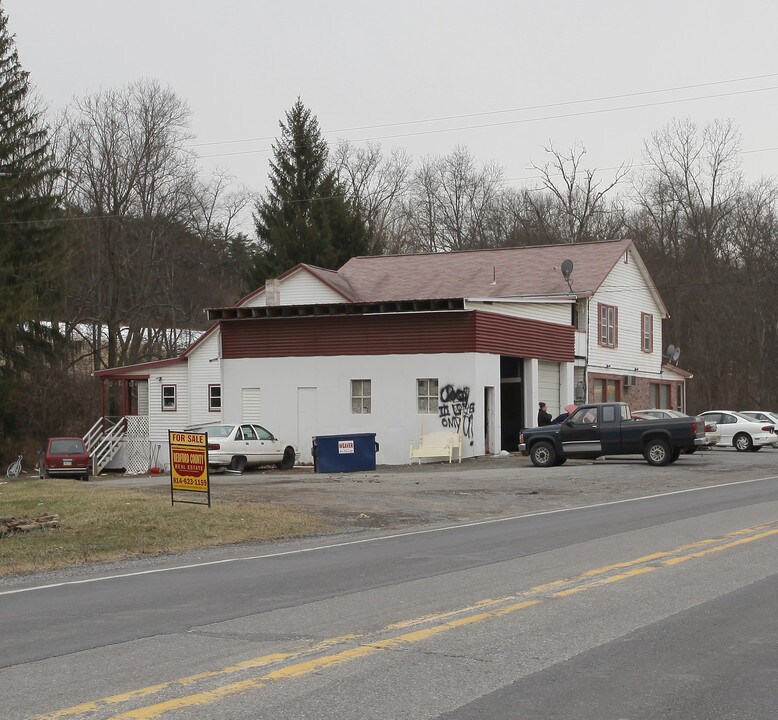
567 269
670 351
676 355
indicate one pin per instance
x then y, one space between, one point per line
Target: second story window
647 332
609 326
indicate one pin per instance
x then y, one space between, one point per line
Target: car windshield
67 447
215 430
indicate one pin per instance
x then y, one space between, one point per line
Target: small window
427 396
214 398
608 336
647 332
360 397
609 414
168 398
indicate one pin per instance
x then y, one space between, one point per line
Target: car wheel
543 454
676 454
657 452
287 463
238 463
743 442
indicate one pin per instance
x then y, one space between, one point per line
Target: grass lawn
108 523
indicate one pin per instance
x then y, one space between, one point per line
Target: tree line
112 241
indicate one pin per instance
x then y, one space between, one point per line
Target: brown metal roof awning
330 309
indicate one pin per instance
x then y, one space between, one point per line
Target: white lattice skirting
137 444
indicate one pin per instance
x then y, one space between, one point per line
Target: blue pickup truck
609 429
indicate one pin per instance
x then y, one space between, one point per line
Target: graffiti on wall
455 409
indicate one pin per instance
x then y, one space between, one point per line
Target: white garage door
548 385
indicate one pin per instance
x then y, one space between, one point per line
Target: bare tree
377 185
582 212
453 202
129 177
711 241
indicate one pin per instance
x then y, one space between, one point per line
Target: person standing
544 417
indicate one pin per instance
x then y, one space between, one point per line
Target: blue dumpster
344 453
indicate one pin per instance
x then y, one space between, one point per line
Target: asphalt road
659 606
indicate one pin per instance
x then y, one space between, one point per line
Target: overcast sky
501 77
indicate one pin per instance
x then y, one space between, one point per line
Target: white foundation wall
299 397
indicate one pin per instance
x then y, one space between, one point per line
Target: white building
405 345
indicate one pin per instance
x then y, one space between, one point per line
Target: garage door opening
511 402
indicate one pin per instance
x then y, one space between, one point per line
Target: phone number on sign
190 483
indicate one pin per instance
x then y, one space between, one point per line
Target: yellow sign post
189 465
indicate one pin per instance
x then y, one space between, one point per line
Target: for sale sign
189 464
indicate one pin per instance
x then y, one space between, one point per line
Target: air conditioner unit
630 381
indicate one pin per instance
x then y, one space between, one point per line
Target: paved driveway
396 496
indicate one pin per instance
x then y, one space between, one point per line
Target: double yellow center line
319 656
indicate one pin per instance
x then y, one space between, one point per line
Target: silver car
237 447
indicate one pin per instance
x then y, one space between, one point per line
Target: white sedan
712 435
237 447
743 433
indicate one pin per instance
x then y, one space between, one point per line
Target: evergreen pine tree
305 216
28 239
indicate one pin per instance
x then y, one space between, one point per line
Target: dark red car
66 456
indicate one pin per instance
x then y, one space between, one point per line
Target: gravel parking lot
398 496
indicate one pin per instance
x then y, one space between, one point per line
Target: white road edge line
361 541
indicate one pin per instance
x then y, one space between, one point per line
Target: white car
237 447
743 433
764 416
712 434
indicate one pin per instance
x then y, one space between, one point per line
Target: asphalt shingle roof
492 273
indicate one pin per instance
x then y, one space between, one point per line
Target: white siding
625 288
301 288
559 313
204 370
326 386
160 422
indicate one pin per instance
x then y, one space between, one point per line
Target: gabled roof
330 278
493 273
514 272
